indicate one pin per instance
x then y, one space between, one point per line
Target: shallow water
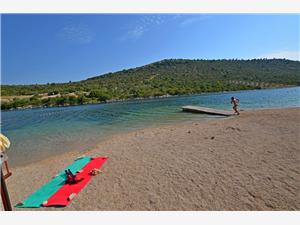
38 133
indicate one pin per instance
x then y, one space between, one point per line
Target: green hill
166 77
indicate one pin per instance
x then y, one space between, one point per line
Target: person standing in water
235 102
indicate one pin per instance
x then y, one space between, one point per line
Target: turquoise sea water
38 133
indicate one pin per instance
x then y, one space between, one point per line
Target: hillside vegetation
166 77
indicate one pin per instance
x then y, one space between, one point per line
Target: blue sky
41 48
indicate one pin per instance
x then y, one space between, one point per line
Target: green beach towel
36 199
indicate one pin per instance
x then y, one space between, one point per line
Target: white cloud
141 26
284 54
135 32
148 22
193 19
76 33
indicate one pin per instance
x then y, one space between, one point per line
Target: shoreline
111 136
141 98
235 163
76 153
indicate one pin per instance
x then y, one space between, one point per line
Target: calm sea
38 133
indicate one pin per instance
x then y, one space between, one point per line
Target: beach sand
246 162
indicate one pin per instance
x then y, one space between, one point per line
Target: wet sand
246 162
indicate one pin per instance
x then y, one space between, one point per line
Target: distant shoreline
140 98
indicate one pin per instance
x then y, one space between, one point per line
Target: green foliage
72 100
54 92
82 99
166 77
35 101
99 95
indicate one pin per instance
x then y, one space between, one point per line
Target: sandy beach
246 162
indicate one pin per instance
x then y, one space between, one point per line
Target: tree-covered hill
166 77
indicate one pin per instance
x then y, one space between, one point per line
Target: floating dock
197 109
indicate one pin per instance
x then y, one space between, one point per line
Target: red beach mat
67 192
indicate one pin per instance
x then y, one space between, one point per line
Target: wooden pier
198 109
